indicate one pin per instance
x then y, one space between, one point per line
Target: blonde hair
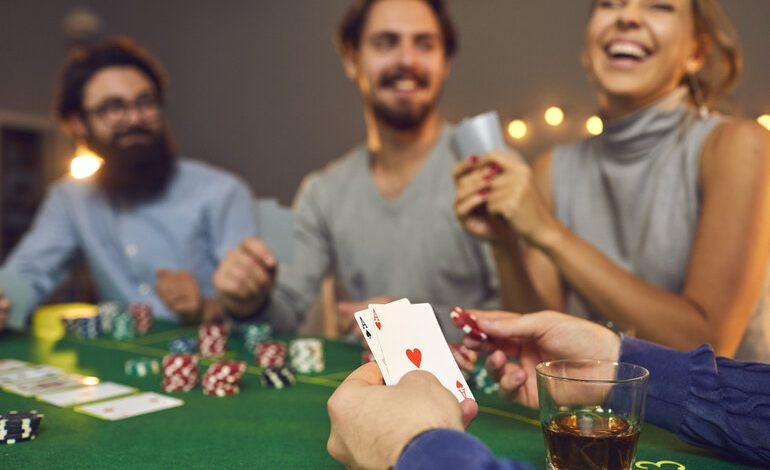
723 60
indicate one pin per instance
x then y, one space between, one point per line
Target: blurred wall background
256 86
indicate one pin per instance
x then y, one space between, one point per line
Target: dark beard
402 118
136 173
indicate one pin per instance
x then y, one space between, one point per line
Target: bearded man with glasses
151 226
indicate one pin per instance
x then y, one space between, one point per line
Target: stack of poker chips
107 311
481 381
123 326
183 345
277 377
223 378
87 327
19 426
254 334
142 367
465 358
212 339
307 355
142 314
271 354
180 372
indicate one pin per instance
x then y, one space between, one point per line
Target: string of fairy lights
85 163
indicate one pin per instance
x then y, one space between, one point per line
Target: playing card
369 323
27 373
127 407
86 394
275 226
411 339
8 364
49 384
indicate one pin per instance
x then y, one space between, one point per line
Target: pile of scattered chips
307 355
180 372
271 354
465 358
223 378
467 322
480 380
254 334
87 327
19 426
142 314
277 377
142 367
183 345
212 339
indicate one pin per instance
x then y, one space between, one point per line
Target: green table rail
259 428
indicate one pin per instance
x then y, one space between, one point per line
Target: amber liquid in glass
590 441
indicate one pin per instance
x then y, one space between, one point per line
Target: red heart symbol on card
378 325
414 355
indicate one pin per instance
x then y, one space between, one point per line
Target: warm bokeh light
90 380
85 163
764 121
594 125
554 116
517 129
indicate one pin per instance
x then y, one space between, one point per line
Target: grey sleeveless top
632 192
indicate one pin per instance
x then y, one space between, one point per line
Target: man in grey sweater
380 218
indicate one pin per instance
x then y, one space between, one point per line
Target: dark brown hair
83 63
352 25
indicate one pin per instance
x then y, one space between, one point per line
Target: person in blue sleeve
712 402
151 226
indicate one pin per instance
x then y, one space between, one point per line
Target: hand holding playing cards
5 309
179 290
245 277
534 338
371 423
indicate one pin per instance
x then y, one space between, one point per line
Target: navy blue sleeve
708 401
445 448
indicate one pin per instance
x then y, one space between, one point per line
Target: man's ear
349 58
75 126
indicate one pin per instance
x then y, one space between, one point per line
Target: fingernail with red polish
474 159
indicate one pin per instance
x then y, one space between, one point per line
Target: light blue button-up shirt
204 213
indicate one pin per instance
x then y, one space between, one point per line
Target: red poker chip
467 322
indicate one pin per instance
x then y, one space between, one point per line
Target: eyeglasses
114 111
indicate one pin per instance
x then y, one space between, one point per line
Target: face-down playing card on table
133 405
411 339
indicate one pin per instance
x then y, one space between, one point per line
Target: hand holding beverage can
591 413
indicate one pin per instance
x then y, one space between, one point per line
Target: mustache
389 79
133 131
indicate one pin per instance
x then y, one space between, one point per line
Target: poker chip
212 339
180 372
223 378
142 314
19 426
183 345
123 326
142 367
271 354
307 355
254 334
481 381
107 311
277 377
467 322
87 327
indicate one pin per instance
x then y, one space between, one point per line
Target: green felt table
259 428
